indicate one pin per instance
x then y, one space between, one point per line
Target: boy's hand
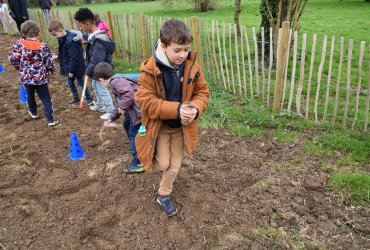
110 123
187 113
54 56
121 111
106 123
70 75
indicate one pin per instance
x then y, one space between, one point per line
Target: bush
201 5
204 5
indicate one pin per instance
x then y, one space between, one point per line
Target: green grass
353 185
285 135
353 147
347 18
250 117
126 67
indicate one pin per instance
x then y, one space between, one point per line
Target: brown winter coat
151 98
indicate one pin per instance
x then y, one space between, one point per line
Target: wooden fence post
313 51
237 58
367 101
281 62
249 64
213 49
329 78
338 80
319 74
301 75
196 36
143 36
71 20
225 56
360 61
109 14
220 56
110 23
270 67
41 24
348 86
292 82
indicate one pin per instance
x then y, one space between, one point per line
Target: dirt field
235 193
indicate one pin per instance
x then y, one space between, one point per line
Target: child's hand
54 56
187 113
110 123
121 111
70 75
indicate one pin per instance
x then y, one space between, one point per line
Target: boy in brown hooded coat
172 94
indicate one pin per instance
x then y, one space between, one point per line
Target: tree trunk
238 9
266 22
274 13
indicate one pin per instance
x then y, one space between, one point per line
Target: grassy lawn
348 18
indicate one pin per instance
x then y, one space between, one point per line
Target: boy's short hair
84 15
103 70
55 25
175 31
30 29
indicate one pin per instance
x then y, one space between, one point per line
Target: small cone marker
22 94
76 152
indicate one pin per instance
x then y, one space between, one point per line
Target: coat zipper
189 79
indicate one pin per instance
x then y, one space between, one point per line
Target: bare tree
275 12
238 9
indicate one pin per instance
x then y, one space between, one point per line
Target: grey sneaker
99 109
106 116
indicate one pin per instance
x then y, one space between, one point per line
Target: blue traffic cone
76 152
1 68
22 94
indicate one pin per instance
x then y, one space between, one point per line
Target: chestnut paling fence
323 78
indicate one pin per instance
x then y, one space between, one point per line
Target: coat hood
101 35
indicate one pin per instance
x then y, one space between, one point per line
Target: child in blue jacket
71 60
32 58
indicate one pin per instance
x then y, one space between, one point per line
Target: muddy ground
235 193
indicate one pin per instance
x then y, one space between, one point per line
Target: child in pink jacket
101 25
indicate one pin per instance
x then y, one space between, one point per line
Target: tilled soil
234 193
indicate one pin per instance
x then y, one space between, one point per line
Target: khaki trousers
168 156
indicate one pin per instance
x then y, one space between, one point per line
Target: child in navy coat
71 60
